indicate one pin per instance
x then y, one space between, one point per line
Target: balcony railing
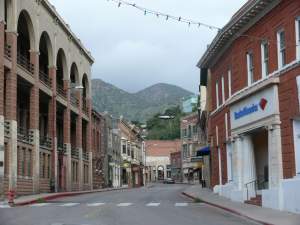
7 129
85 156
25 135
60 91
45 79
25 63
7 51
61 148
74 100
75 153
46 142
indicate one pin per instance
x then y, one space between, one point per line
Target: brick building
45 101
158 162
251 70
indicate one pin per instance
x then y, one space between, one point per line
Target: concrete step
255 201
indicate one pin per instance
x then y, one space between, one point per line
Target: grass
198 200
40 200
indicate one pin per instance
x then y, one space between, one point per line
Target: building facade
45 120
158 161
176 173
132 151
251 71
192 140
98 149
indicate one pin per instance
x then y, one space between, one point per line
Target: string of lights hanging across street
158 14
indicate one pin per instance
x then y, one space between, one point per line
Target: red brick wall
1 67
282 16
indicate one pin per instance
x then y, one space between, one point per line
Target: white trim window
223 90
297 24
229 84
250 68
265 59
281 48
217 95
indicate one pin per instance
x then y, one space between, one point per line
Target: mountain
138 106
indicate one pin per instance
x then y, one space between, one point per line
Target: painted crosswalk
124 204
96 204
181 204
153 204
103 204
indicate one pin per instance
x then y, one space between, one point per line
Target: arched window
60 69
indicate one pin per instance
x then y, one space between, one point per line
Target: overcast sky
133 51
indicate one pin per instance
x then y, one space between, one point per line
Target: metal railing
7 129
254 182
75 153
7 51
74 100
85 156
60 91
45 79
25 135
61 148
46 142
25 63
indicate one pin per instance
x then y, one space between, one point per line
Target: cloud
133 51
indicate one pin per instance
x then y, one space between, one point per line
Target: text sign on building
254 108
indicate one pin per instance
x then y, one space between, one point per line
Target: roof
162 148
241 21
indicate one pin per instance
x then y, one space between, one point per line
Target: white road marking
95 204
4 207
124 204
181 204
153 204
69 204
40 204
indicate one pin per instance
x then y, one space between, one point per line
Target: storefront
254 157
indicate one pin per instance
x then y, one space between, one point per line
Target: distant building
189 103
176 172
158 162
193 139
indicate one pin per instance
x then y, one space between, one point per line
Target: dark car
169 181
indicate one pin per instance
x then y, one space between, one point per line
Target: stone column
2 158
34 122
275 156
11 111
237 159
67 138
249 168
79 140
52 127
91 170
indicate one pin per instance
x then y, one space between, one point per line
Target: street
157 204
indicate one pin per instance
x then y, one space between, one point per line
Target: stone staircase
255 201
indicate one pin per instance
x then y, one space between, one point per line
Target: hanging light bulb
167 17
179 19
119 5
145 12
157 15
189 24
199 24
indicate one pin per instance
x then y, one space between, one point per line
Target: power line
166 16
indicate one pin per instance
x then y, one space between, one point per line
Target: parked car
169 181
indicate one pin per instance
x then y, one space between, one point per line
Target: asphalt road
157 205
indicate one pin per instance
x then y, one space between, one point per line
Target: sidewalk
31 199
255 213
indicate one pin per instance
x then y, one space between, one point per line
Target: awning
203 151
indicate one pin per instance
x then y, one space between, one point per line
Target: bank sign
254 108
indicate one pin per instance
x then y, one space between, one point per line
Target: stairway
255 201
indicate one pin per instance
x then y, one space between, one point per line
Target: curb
227 209
64 194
